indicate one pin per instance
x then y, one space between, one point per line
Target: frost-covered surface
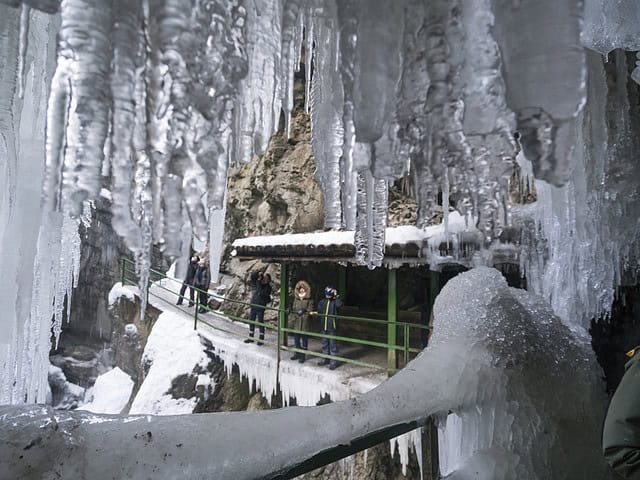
118 290
173 349
110 393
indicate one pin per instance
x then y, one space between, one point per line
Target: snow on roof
397 235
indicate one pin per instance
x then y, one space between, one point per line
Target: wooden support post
430 462
342 283
282 317
392 316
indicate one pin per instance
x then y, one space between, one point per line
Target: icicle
23 45
377 70
326 123
85 66
371 221
127 60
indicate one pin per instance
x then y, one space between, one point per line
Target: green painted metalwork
392 318
391 346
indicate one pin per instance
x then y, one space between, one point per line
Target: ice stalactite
545 81
24 344
326 106
371 220
578 258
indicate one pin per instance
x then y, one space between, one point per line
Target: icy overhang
456 243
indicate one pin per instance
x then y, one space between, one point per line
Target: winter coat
261 291
300 307
202 278
191 272
621 433
327 308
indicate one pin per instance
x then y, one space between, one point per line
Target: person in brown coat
301 306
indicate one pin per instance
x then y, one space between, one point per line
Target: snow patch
110 393
173 349
118 291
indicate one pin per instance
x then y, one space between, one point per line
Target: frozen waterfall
151 97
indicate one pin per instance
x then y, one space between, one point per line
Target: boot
302 358
295 356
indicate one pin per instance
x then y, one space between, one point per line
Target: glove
300 312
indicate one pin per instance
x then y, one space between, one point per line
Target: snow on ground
118 290
173 349
110 393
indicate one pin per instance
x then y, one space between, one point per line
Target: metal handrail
405 347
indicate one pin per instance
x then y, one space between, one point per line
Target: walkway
308 383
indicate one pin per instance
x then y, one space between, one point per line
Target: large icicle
544 67
327 100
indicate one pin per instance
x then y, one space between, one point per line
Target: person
621 432
188 281
327 310
301 306
261 296
201 281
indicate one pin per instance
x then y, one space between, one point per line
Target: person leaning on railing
301 306
327 312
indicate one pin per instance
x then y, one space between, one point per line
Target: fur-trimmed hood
306 286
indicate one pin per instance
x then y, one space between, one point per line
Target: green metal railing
399 348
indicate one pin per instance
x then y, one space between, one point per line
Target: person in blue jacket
261 296
327 311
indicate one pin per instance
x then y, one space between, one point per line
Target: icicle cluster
168 92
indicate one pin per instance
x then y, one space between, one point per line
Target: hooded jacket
300 308
621 433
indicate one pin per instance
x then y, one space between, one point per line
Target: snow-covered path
307 382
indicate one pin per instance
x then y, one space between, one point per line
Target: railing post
122 267
406 344
392 314
195 313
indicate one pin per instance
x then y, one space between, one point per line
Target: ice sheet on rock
110 393
173 349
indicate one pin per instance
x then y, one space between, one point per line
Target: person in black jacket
327 311
201 281
188 281
261 296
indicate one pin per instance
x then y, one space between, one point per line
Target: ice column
24 342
